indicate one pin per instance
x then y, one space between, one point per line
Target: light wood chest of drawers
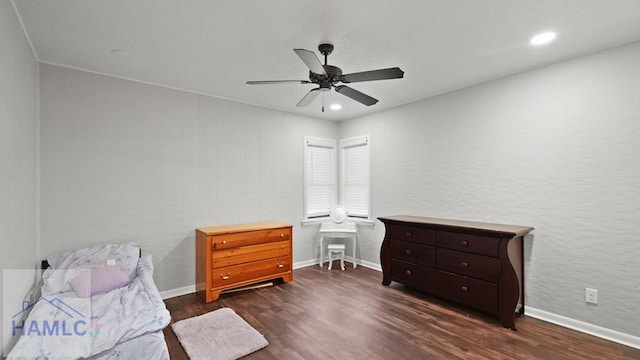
476 264
233 256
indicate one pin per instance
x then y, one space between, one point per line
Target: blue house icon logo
67 320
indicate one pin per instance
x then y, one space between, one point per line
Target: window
321 188
355 176
320 185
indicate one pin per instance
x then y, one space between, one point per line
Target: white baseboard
366 264
601 332
190 289
370 265
305 263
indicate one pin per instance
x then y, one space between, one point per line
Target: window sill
311 222
360 222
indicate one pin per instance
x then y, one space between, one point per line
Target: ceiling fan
328 76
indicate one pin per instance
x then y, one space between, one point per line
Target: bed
96 303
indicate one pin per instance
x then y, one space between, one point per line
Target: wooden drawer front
250 271
477 266
412 252
412 233
483 245
412 274
477 293
233 240
249 253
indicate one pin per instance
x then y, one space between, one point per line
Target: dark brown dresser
473 263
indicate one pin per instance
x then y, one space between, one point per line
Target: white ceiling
214 47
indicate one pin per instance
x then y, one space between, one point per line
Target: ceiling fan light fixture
543 38
336 107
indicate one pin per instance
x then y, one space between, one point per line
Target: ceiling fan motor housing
333 76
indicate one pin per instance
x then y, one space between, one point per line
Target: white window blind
355 184
320 176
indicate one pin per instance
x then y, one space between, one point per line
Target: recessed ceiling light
122 53
336 107
543 38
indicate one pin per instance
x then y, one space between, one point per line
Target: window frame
311 142
346 143
337 195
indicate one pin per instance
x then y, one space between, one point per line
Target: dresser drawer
250 271
477 244
412 252
249 253
411 233
477 293
477 266
226 241
411 274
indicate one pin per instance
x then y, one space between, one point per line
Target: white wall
124 161
18 158
556 148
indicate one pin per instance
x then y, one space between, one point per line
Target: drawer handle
408 233
464 289
224 242
281 265
281 236
465 243
225 277
408 252
465 264
408 272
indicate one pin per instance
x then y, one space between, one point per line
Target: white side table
333 230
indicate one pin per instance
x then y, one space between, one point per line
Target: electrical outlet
591 296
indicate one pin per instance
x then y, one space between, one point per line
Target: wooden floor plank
348 314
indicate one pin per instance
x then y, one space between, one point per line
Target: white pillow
64 267
125 256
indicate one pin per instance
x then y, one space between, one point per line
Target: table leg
354 251
321 250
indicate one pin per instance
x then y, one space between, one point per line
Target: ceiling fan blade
268 82
382 74
307 99
356 95
311 60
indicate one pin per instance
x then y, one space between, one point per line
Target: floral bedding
63 325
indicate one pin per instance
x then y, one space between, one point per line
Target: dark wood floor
348 314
